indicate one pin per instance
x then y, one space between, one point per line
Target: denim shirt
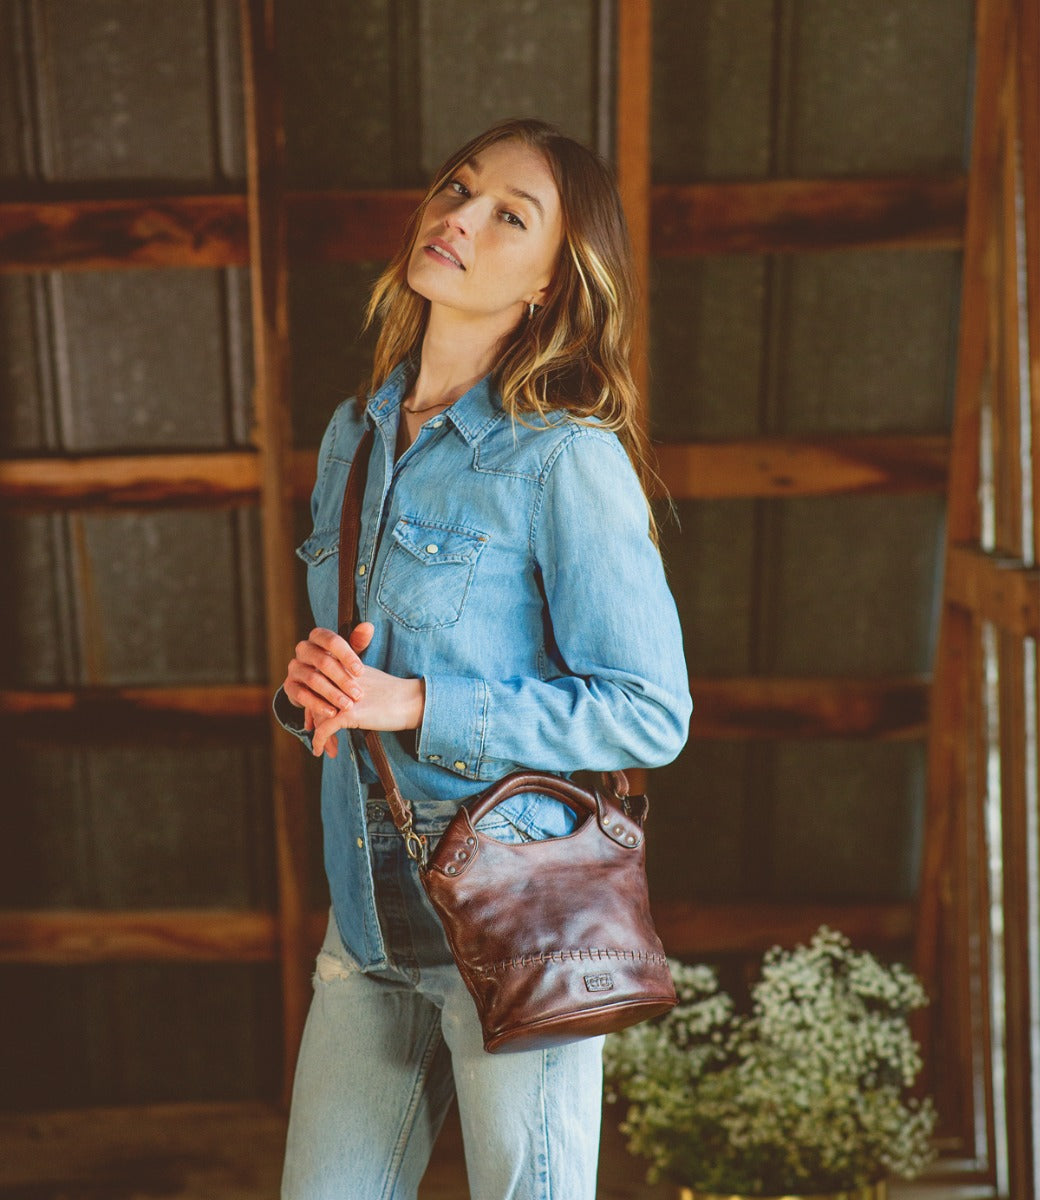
509 567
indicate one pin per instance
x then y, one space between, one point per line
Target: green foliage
807 1092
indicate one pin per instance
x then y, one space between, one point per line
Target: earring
531 308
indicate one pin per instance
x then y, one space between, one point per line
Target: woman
512 612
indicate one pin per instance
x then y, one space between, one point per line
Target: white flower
806 1092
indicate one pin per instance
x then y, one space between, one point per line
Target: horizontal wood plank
137 480
753 708
187 935
803 466
116 703
221 935
755 467
727 709
767 216
108 234
694 928
348 226
995 588
790 215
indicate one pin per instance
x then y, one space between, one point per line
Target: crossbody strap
349 536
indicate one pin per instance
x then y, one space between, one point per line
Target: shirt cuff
290 717
454 723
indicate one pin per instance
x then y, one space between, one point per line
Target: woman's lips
444 253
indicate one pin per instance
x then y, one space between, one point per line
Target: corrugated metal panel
110 90
858 342
708 338
133 598
853 585
134 1034
799 821
505 58
713 89
172 823
748 88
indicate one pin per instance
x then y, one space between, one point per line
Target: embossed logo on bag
603 982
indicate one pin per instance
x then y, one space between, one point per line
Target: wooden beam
694 928
340 226
680 220
133 480
268 255
117 703
763 708
995 588
690 470
797 215
190 935
104 234
634 84
791 466
226 935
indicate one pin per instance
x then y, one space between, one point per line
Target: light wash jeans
383 1054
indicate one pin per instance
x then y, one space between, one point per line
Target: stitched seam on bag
560 956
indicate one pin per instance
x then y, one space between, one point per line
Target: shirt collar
474 414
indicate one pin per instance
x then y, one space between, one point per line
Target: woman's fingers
324 737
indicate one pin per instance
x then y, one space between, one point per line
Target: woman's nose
463 216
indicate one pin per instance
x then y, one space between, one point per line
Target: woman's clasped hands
336 690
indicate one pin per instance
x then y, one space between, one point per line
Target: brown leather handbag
553 938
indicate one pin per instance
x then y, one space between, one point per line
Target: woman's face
489 239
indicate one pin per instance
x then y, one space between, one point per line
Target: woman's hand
328 680
386 703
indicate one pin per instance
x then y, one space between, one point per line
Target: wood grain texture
159 936
131 480
634 88
268 254
116 704
995 588
762 708
106 234
795 215
340 225
788 466
697 928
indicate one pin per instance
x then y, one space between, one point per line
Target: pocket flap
432 543
319 546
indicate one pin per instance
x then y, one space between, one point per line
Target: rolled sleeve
290 717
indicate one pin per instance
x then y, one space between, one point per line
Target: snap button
460 765
432 548
362 569
438 423
434 757
361 843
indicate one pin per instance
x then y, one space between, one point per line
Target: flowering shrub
805 1093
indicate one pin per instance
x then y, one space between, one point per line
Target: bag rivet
631 840
471 841
619 829
453 870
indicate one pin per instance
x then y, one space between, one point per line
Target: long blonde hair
573 354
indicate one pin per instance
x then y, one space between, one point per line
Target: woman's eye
512 219
458 187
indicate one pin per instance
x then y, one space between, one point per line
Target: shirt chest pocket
428 572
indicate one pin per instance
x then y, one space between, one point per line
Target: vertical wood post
634 83
940 919
265 139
